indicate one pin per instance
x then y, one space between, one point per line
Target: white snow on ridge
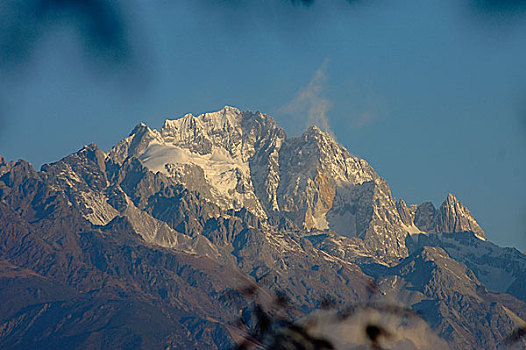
411 229
220 169
157 155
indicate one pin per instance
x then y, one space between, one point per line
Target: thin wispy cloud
364 118
363 105
309 104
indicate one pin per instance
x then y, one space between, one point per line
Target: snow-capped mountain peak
243 160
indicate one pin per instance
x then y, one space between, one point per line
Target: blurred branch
517 335
269 326
100 24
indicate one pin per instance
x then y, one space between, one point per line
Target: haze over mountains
136 247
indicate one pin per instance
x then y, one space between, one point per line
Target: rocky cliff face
167 222
453 217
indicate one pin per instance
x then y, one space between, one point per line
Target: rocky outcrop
407 215
425 217
453 216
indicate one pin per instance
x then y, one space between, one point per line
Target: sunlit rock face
453 216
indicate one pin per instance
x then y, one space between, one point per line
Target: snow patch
411 229
224 173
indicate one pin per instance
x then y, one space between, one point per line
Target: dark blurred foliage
497 8
500 7
100 27
302 2
310 2
516 336
103 28
99 23
497 16
269 325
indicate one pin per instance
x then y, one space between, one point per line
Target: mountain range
139 246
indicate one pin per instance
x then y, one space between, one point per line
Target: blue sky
431 93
